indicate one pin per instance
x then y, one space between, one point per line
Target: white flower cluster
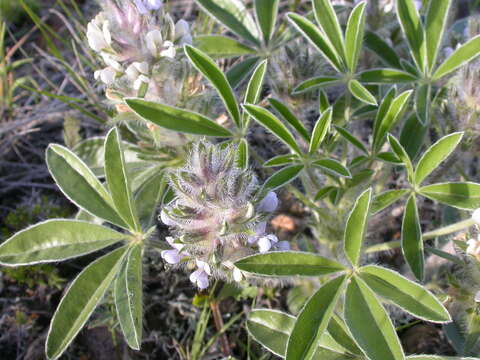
133 38
212 218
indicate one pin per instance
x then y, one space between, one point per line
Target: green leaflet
281 160
322 126
435 23
413 29
313 320
118 179
80 300
80 185
412 242
272 328
271 122
461 195
238 72
361 92
423 103
356 227
316 83
385 76
354 35
56 240
435 155
388 116
317 38
242 158
288 263
282 177
328 21
402 155
266 11
290 117
387 198
369 323
221 46
333 166
404 293
128 297
460 56
254 89
148 196
217 78
234 15
176 119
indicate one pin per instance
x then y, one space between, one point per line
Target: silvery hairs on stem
217 215
138 42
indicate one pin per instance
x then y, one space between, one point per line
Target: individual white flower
142 79
166 219
477 296
269 203
98 39
476 216
259 231
111 62
182 32
144 6
418 4
168 50
107 75
237 274
154 41
200 276
473 248
136 69
265 243
175 255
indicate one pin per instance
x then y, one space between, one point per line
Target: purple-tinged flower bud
477 297
171 256
269 203
166 219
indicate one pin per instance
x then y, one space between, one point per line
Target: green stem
453 228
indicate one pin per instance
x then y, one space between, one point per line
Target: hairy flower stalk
217 216
138 43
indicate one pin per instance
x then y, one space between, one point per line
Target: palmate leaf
356 227
288 263
404 293
118 180
217 78
81 298
176 119
233 15
313 320
80 185
369 323
128 297
56 240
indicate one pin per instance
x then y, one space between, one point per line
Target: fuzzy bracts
216 216
138 42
